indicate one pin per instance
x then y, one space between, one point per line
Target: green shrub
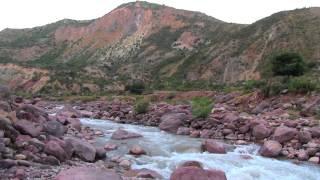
201 107
288 64
141 106
273 88
253 84
301 85
136 87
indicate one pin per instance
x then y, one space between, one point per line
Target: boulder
171 122
191 163
32 113
68 112
137 150
304 136
213 146
303 155
87 173
260 131
5 106
261 107
101 153
283 134
270 149
54 128
195 173
143 173
29 128
53 148
74 123
315 131
83 149
121 134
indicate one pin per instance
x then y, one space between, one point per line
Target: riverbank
38 134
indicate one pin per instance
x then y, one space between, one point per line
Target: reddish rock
303 155
32 113
283 134
315 131
171 122
183 131
29 128
195 173
54 128
304 136
83 149
121 134
213 146
191 163
144 173
87 173
261 131
261 107
110 146
53 148
137 150
74 123
270 149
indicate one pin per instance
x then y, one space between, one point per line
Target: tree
288 64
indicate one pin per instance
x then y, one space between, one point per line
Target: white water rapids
166 151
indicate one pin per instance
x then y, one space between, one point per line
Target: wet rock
137 150
54 128
314 160
110 147
191 163
171 122
143 173
303 155
121 134
183 131
29 128
260 131
83 149
126 164
270 149
87 173
195 173
283 134
53 148
101 153
213 146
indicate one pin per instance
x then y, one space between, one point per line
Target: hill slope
160 45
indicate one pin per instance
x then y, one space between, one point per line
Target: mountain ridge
162 46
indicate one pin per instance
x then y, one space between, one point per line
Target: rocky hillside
160 45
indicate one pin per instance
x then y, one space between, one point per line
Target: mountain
159 45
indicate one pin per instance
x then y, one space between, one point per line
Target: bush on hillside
288 64
141 106
201 107
136 87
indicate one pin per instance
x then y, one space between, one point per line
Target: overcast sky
30 13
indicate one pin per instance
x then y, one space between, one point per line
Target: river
166 151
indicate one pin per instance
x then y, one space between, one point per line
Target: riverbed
166 151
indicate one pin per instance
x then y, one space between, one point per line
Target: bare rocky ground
38 140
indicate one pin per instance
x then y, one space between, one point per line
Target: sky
31 13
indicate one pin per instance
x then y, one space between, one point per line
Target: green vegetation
137 87
141 106
288 64
301 85
201 107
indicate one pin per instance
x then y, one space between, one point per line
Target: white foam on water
167 151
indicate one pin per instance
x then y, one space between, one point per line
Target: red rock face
120 23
